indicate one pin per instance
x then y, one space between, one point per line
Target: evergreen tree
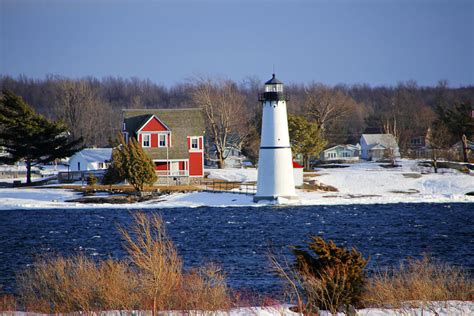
305 137
459 123
31 137
131 163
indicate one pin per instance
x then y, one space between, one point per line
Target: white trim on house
168 173
143 140
197 149
166 139
148 121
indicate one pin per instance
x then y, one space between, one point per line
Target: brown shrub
205 289
417 283
154 279
155 256
7 302
77 284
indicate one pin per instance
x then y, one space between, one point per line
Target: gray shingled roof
181 122
386 140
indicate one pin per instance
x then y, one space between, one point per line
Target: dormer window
146 140
162 140
194 143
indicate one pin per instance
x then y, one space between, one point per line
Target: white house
376 146
234 158
91 159
341 152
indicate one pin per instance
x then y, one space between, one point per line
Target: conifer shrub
324 276
333 277
112 176
131 163
91 180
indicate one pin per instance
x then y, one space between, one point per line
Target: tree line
91 107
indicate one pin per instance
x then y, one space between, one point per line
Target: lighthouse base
276 199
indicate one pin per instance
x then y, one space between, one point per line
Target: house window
194 143
101 165
146 140
162 140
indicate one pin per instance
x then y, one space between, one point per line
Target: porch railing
172 173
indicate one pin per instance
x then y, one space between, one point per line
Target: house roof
91 155
181 122
386 140
347 146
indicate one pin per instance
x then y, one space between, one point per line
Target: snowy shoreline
361 183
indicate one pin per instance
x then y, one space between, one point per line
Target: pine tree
131 163
459 122
31 137
305 137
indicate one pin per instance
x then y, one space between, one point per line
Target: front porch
171 168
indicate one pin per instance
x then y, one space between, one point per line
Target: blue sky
375 42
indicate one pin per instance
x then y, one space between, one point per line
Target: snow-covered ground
362 183
431 309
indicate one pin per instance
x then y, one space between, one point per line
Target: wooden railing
172 173
72 176
231 187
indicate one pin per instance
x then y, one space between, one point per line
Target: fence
72 176
231 187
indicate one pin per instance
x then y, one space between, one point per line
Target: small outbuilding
91 159
298 174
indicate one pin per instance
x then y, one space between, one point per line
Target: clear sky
367 41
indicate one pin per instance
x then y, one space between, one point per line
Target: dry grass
156 257
77 284
130 189
7 302
416 283
153 279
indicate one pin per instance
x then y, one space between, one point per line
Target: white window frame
191 143
166 140
149 140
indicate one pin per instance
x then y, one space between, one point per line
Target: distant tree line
91 108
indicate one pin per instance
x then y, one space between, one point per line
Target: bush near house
131 163
91 180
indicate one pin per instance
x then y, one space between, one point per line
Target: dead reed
152 278
416 283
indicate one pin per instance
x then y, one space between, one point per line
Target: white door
174 168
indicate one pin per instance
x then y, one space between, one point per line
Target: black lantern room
273 91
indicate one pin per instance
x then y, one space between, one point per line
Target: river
238 238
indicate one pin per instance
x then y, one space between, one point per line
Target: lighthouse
275 167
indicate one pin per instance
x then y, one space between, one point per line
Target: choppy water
239 238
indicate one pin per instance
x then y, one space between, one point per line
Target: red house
173 138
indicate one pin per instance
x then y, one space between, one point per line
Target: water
239 238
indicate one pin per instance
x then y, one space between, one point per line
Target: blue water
239 238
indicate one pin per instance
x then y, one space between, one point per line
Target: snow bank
361 183
430 309
240 175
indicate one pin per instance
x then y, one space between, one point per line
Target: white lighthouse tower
275 166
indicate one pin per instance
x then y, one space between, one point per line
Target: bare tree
330 108
225 113
437 139
79 106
